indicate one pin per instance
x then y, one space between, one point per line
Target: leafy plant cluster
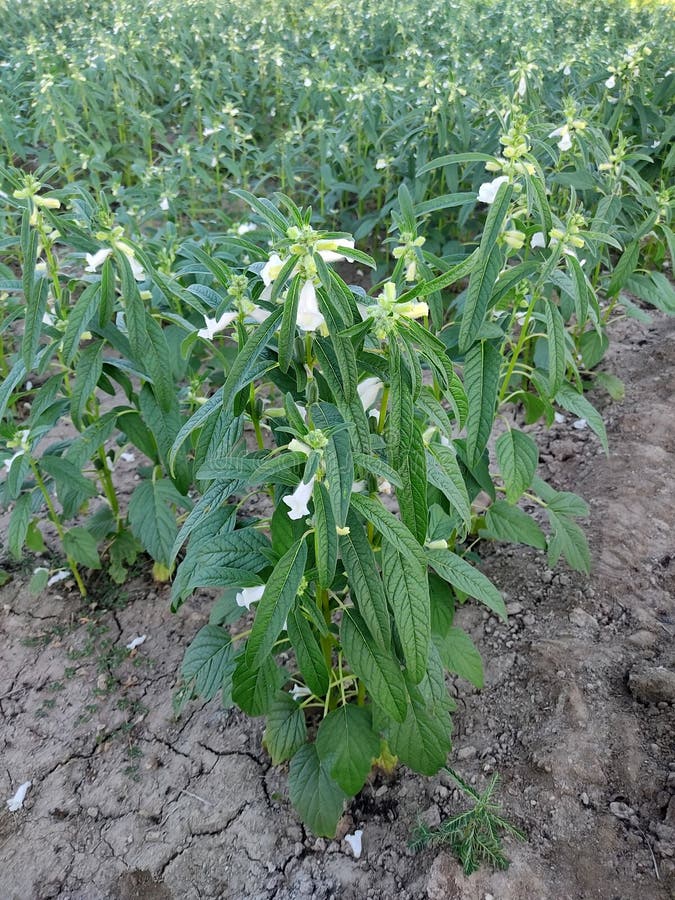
325 452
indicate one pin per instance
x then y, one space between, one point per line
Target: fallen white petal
59 576
299 690
127 457
559 418
136 642
354 841
15 803
250 595
580 424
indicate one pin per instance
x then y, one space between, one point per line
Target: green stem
53 515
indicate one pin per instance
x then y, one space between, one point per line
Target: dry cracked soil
128 801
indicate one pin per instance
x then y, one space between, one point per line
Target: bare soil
128 801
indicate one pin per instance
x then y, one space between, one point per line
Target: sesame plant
346 470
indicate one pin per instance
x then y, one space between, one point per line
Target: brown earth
577 716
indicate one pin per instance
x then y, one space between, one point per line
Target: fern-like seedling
474 835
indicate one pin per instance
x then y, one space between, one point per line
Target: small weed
474 835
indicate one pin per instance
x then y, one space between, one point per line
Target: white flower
213 326
271 269
7 463
369 391
567 70
245 227
298 500
327 248
250 595
300 446
309 314
354 841
611 82
61 575
384 487
381 163
522 86
488 190
164 203
299 690
538 240
94 260
15 803
136 642
563 133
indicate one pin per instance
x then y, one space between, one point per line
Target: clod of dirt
652 684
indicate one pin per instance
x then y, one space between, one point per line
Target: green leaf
209 661
318 799
484 275
288 320
310 658
81 546
245 364
569 541
517 456
422 741
87 373
364 580
276 602
38 581
459 655
337 458
286 729
325 536
347 745
18 525
377 668
481 380
509 523
624 268
407 590
444 473
463 576
221 560
151 518
253 688
576 403
557 360
203 413
389 527
78 319
72 488
406 449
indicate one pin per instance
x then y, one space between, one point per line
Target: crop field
337 356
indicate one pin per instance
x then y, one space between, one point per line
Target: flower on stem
94 260
249 595
369 391
487 192
563 133
310 316
298 500
213 326
538 239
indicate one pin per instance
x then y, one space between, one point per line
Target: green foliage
473 836
326 453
